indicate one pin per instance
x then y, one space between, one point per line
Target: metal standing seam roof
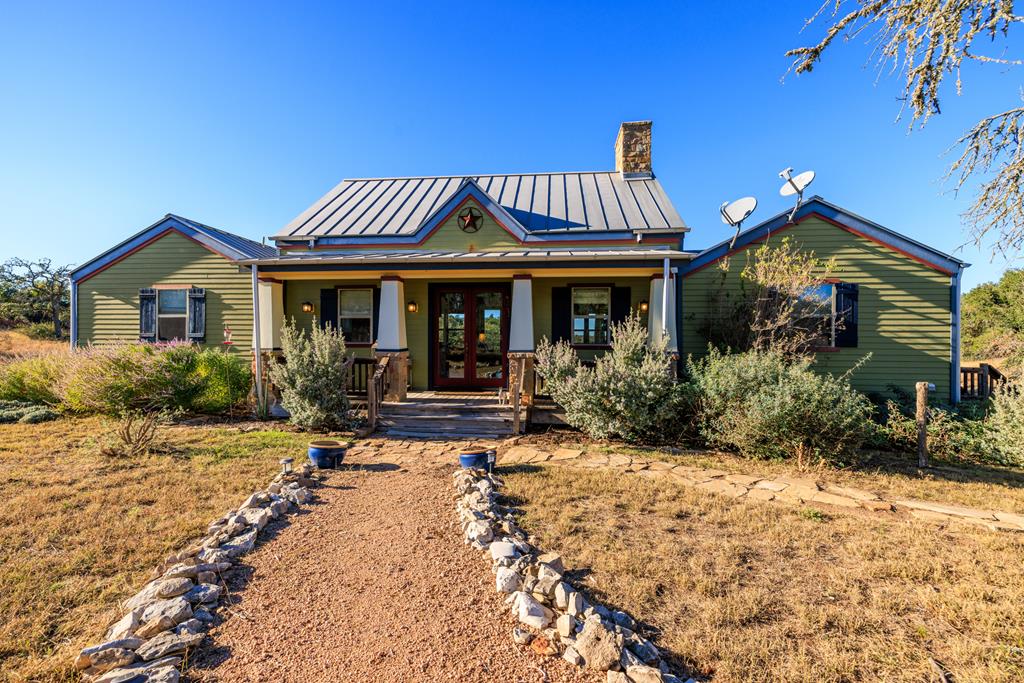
246 247
396 258
540 202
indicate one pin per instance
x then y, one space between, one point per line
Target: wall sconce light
644 306
307 306
482 337
412 307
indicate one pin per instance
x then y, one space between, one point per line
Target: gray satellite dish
734 213
795 185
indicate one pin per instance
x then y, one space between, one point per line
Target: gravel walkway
373 584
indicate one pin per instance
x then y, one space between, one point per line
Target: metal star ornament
469 219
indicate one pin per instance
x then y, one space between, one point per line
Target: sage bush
762 405
1006 422
313 378
630 393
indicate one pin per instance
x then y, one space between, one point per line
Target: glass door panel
451 335
489 321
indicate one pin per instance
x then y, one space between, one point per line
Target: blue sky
241 115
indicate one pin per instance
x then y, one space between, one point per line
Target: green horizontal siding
108 302
904 316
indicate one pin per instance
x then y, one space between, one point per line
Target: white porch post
391 337
271 314
661 318
521 326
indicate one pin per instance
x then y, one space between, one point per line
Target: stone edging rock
794 490
556 619
169 616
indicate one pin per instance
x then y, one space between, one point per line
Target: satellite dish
734 213
795 185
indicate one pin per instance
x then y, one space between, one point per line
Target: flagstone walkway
373 583
791 490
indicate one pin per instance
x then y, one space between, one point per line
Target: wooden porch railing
980 382
359 376
376 388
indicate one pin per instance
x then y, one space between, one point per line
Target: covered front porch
461 329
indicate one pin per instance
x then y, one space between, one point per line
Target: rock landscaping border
792 490
170 615
555 618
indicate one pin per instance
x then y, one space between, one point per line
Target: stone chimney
633 149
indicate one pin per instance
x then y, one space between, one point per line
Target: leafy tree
993 320
926 41
35 291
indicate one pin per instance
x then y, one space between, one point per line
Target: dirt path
373 584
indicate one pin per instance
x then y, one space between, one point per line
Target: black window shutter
147 315
847 295
621 302
561 314
329 307
197 314
376 312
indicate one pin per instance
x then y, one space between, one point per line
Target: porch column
271 317
391 339
661 316
520 343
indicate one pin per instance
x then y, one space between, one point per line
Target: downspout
954 336
257 347
74 315
665 275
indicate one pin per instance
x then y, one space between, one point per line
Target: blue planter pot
326 454
473 460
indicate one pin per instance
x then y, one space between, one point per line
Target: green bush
313 379
38 331
33 379
117 379
951 435
24 412
761 405
630 393
1007 425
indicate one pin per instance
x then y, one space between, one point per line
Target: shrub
24 412
114 380
762 405
313 378
1007 425
38 331
631 392
33 379
133 437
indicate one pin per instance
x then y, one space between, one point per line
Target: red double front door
469 335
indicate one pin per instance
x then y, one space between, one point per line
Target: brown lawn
749 591
80 531
14 343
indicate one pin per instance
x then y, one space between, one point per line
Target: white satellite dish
734 213
795 185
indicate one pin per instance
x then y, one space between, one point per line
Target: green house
451 276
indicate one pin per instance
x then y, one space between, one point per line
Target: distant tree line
35 293
993 321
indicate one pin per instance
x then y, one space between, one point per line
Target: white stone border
170 614
555 618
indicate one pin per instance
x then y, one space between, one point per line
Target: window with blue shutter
847 303
197 315
147 315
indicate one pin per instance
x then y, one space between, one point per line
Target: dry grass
14 343
80 531
891 475
747 591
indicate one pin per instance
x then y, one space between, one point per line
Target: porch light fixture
644 306
307 306
412 307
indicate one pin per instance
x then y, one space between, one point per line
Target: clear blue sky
241 115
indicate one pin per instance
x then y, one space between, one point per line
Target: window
590 312
171 314
821 312
355 315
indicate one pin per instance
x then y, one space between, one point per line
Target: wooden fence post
922 424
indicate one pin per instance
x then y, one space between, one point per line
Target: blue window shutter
197 315
847 305
329 307
376 312
561 314
147 315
